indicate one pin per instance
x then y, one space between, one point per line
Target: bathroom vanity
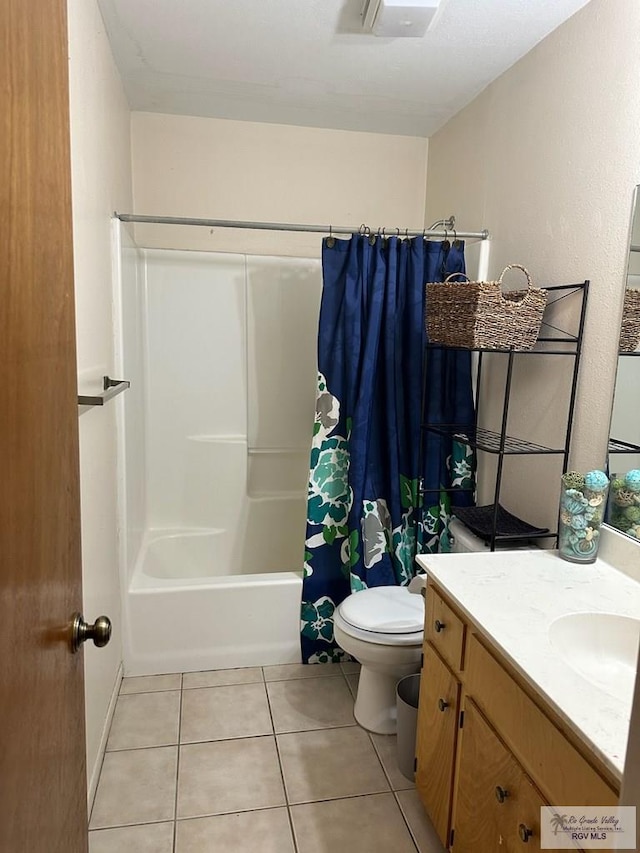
526 692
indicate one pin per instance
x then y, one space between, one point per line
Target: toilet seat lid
385 610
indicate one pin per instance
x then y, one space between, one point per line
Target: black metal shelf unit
553 340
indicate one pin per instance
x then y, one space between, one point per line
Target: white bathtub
215 598
183 617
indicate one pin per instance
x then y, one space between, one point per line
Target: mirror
623 511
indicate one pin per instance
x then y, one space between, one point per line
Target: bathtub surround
216 436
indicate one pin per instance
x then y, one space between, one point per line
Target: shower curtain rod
314 229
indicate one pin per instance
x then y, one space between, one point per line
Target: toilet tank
463 541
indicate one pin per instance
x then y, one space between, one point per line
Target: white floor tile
145 719
148 838
229 776
136 786
263 831
370 824
219 713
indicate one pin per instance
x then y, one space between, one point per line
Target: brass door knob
501 794
81 631
524 832
442 705
439 626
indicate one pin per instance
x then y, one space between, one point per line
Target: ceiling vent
398 18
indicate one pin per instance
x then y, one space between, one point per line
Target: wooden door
42 740
436 740
497 806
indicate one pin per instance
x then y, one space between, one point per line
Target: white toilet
381 627
464 541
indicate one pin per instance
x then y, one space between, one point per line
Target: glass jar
583 499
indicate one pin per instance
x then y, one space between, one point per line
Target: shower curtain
365 513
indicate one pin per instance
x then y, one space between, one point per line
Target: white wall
547 158
213 168
101 182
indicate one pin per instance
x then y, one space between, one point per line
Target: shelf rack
553 340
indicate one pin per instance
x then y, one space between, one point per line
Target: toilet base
375 707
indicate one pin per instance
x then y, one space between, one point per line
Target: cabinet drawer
444 629
438 712
497 806
543 750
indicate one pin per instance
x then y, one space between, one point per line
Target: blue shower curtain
367 515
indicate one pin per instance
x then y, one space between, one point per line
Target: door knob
442 705
439 626
81 631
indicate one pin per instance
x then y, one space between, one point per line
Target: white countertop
512 597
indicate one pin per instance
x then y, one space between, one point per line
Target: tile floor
261 759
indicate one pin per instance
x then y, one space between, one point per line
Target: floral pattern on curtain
366 519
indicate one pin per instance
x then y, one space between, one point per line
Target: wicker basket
630 328
477 314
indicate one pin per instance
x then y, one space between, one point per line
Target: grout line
227 739
149 692
223 814
406 822
353 725
128 825
284 786
175 801
379 757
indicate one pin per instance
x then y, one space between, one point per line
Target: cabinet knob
439 626
501 794
442 705
524 832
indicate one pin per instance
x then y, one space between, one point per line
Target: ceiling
308 62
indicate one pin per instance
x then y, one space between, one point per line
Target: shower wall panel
196 380
221 351
283 296
132 320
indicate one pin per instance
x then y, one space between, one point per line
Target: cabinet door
436 740
497 806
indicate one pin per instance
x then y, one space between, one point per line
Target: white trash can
407 694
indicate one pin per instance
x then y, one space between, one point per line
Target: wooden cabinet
497 805
438 714
489 752
445 631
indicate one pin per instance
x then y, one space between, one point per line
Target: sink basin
601 647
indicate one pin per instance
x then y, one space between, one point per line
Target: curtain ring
362 230
331 240
397 232
406 233
455 239
384 236
367 231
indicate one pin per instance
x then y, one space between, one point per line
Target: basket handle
516 267
454 274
